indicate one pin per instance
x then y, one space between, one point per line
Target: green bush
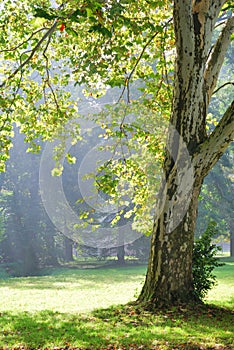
204 262
3 273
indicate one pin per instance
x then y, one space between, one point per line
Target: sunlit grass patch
62 309
79 290
223 293
70 290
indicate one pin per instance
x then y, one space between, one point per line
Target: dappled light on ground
120 328
62 309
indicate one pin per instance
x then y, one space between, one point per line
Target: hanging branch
25 41
127 80
37 46
48 74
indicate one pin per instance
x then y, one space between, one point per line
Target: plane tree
198 63
46 45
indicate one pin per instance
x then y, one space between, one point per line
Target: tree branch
223 188
37 46
213 148
215 7
127 80
217 56
184 33
48 75
25 41
222 86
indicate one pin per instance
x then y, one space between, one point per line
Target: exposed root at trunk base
175 300
191 308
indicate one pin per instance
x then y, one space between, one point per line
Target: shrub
204 262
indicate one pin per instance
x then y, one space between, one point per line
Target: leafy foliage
204 262
96 44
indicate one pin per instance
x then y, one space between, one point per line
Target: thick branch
215 7
183 24
213 148
217 56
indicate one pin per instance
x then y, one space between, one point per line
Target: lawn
62 309
71 290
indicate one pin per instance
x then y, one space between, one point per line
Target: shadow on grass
122 327
45 329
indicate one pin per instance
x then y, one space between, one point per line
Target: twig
11 104
37 46
48 74
127 81
222 86
25 41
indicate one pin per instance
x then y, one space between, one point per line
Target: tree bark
68 249
169 277
121 255
231 238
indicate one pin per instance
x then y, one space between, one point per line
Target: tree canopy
45 46
48 47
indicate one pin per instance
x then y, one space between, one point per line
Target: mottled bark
169 276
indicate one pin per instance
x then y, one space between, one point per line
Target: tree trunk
231 238
121 255
191 152
68 249
30 262
169 276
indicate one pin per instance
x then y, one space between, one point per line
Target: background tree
30 238
216 200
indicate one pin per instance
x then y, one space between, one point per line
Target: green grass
59 309
223 293
71 290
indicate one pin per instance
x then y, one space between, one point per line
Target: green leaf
75 16
39 12
57 171
72 32
70 159
89 12
100 29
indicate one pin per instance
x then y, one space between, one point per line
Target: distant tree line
29 240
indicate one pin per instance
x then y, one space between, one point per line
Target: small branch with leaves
33 51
